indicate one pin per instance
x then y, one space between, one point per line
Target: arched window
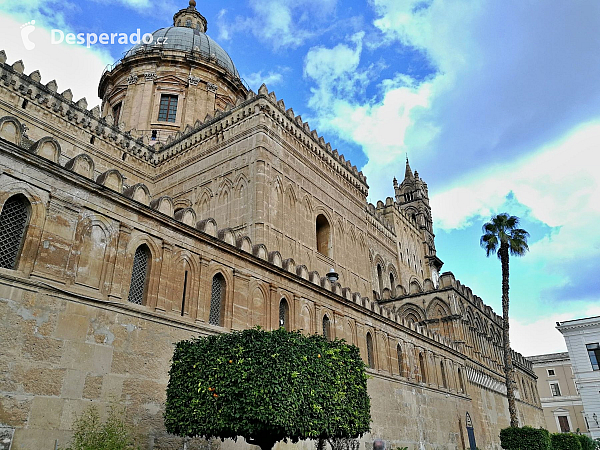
138 288
326 327
13 223
370 360
399 353
444 382
380 279
217 300
323 235
460 380
422 368
392 283
284 314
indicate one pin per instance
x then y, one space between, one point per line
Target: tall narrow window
563 422
399 353
326 327
555 389
422 368
185 281
380 279
392 283
323 235
370 359
444 382
13 222
284 314
594 354
168 108
116 113
139 275
460 380
217 296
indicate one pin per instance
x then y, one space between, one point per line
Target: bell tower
412 196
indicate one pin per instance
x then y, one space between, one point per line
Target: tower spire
408 172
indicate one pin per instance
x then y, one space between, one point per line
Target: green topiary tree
587 443
267 387
565 441
526 438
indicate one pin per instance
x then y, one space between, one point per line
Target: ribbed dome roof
188 40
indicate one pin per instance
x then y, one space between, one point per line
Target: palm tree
502 237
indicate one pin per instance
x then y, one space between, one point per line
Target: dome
187 40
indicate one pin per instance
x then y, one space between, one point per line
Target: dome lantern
190 18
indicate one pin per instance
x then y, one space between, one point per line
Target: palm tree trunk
508 366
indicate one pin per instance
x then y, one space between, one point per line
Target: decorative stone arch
186 216
370 348
163 205
48 148
393 277
436 306
414 286
244 243
411 313
258 299
92 252
378 271
184 289
240 199
276 259
153 274
38 201
260 251
138 192
11 130
285 298
276 202
213 269
208 226
81 164
227 235
112 179
203 203
323 231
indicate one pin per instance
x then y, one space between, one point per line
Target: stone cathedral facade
188 205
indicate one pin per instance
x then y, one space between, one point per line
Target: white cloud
72 66
270 79
540 336
281 23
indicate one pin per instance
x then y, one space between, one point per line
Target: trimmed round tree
267 387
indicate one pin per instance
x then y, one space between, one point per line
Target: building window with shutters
284 314
14 219
594 354
563 424
168 108
555 389
217 300
139 275
116 113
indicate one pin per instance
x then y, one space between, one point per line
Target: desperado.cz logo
89 39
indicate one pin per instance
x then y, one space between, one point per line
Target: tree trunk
265 443
508 366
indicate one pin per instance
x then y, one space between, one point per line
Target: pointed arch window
284 314
217 300
422 368
380 279
399 353
13 223
326 327
370 356
138 288
323 235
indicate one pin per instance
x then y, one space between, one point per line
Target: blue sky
497 105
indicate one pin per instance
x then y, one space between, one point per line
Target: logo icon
26 30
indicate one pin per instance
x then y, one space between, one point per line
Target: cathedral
190 205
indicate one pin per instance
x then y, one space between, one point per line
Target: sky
496 104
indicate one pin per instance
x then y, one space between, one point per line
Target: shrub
565 441
526 438
266 387
90 433
587 443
